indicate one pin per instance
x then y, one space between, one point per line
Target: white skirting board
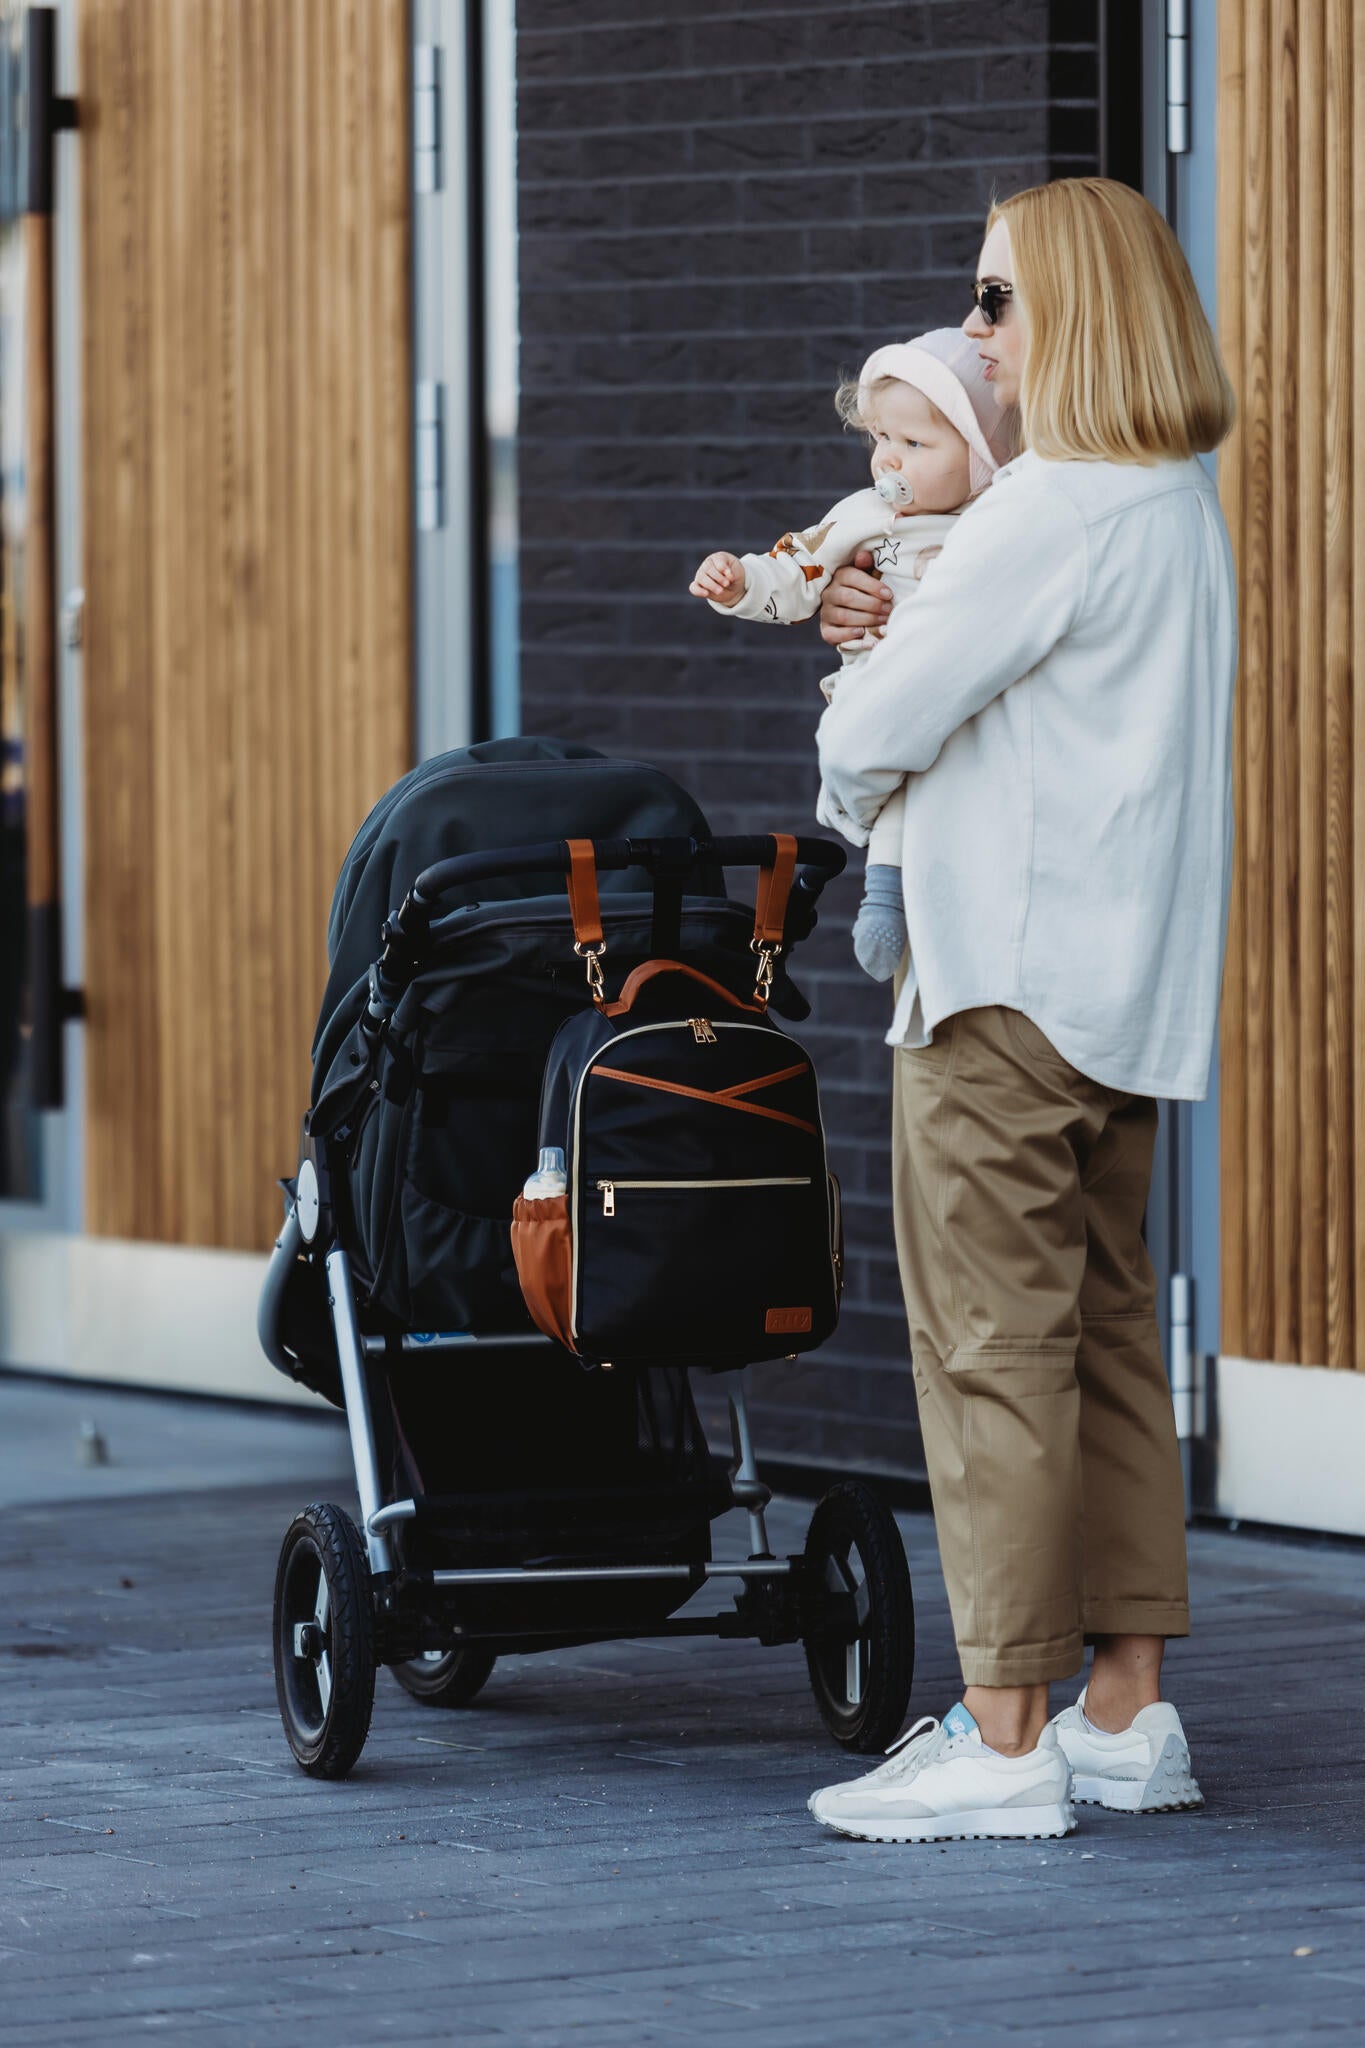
147 1315
1290 1443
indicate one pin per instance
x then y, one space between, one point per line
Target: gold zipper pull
701 1030
608 1197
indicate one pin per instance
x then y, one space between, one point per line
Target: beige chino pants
1020 1187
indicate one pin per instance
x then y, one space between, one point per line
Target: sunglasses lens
992 300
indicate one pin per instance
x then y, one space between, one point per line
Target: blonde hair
847 406
1121 365
848 403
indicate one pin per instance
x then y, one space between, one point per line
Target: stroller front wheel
445 1678
324 1641
860 1648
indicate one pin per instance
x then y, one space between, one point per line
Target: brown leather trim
777 1116
775 879
581 882
647 971
763 1081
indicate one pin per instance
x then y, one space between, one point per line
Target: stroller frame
847 1597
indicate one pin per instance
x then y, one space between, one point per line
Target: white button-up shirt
1059 700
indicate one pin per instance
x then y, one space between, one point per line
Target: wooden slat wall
247 540
1291 305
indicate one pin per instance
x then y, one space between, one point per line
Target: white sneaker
941 1784
1145 1769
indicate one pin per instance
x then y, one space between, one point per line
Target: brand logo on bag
780 1322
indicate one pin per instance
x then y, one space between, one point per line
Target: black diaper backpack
699 1223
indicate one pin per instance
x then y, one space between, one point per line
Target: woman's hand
721 577
854 603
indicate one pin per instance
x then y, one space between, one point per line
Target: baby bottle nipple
549 1177
893 489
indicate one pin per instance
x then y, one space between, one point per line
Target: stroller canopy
496 793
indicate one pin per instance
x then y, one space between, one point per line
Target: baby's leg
879 933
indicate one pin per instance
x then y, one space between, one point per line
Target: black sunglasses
992 299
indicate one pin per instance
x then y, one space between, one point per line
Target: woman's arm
1007 586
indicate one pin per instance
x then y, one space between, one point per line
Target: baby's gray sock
879 934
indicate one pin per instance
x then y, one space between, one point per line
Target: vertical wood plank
1337 657
1258 541
1285 683
1307 449
1357 326
248 553
1233 1336
122 1062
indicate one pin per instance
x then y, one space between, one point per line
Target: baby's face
911 437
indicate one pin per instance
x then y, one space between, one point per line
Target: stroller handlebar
820 861
405 930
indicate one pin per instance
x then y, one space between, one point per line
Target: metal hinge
429 454
1178 77
426 117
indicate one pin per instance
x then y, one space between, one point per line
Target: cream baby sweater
784 587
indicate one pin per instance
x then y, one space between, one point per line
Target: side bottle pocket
543 1249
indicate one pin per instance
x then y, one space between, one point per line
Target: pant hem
1023 1667
1136 1618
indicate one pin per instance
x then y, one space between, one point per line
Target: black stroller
511 1500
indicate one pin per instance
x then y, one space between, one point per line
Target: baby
938 435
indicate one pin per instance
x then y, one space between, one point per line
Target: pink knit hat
945 366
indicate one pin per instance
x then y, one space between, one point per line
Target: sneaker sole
998 1824
1170 1789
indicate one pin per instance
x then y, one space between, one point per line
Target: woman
1059 699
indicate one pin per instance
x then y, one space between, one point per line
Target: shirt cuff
832 814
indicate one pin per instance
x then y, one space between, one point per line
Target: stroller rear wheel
324 1641
862 1666
446 1678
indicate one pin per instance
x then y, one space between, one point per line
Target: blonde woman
1058 702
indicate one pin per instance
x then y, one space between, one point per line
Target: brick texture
721 210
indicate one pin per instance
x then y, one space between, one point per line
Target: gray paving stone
612 1846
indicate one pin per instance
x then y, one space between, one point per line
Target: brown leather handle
581 881
636 981
775 879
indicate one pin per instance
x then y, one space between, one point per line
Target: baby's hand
720 577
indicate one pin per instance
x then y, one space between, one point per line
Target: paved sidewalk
611 1847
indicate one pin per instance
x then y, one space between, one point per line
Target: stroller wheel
324 1641
445 1678
861 1666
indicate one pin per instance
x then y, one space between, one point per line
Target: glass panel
19 1126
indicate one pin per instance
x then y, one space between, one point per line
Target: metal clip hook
591 956
767 956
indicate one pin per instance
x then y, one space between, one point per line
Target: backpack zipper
607 1188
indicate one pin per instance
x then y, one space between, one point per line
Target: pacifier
893 489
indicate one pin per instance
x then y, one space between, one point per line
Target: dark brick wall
720 210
